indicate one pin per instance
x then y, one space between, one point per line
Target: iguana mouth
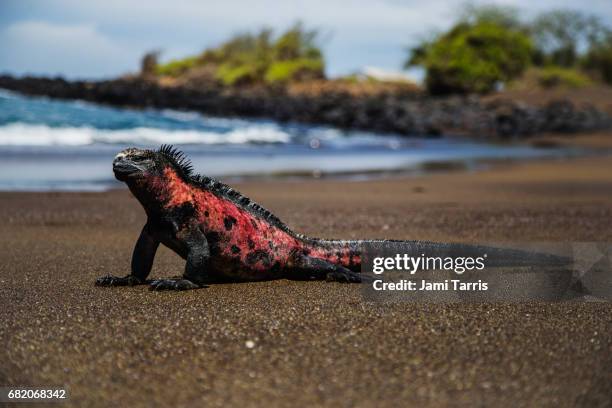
123 169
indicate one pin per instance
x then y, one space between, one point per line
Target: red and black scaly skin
222 235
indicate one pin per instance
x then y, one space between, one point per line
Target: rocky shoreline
406 113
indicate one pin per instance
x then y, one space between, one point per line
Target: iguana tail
350 253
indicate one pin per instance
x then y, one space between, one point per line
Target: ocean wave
20 134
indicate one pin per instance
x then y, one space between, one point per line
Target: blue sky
104 38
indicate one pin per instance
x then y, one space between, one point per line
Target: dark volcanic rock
407 114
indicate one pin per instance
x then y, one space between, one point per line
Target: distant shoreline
407 113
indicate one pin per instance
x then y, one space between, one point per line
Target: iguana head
157 178
133 163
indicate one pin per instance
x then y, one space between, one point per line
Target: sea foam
20 134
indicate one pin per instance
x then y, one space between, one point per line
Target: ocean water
49 144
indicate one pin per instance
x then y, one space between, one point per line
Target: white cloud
75 50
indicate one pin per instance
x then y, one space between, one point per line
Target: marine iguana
225 236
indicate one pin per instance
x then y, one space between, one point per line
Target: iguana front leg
198 255
142 262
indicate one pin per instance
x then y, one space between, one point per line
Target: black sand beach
288 343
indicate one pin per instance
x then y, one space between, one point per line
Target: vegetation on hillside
257 58
491 45
487 48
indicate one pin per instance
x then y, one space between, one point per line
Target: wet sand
306 343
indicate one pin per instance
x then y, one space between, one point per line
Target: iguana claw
172 284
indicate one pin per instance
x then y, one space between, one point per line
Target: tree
296 56
562 35
295 43
598 60
504 16
148 63
472 57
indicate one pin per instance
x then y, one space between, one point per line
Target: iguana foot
344 276
118 281
173 284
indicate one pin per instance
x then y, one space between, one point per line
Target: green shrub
473 58
298 69
257 58
176 68
553 76
230 75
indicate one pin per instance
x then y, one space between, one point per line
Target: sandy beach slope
312 343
